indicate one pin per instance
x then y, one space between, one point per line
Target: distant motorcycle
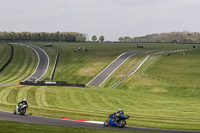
120 123
20 110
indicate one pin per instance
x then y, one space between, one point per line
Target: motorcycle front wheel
122 123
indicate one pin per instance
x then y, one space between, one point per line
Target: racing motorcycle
20 110
120 123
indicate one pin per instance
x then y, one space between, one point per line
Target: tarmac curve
43 63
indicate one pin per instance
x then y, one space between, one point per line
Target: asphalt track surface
102 76
68 123
43 63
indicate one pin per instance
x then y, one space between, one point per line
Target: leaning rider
116 117
20 104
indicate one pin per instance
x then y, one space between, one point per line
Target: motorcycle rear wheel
15 112
106 123
22 111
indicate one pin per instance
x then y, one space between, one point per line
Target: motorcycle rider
22 103
116 117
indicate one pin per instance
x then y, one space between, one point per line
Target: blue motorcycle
119 123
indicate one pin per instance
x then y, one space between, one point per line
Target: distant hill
174 37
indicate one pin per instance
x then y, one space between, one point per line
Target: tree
121 39
94 38
80 39
127 39
101 38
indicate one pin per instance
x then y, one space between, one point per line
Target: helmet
24 99
120 110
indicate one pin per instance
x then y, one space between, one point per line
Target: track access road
103 75
67 123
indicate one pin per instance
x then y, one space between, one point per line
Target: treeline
173 37
42 36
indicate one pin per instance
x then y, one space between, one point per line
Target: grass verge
34 128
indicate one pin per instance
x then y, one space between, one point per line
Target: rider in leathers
120 113
22 103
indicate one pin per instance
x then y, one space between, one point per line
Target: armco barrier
54 68
56 83
10 59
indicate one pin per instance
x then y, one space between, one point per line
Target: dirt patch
158 90
91 70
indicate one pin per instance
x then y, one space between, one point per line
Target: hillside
147 96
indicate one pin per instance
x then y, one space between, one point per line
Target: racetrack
43 63
68 123
57 122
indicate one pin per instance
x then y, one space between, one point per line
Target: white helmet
120 110
24 99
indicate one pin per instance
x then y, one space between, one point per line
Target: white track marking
95 122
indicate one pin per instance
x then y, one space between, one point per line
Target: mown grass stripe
4 95
8 59
88 98
21 69
31 96
13 66
12 96
40 97
106 101
3 53
74 101
28 66
22 93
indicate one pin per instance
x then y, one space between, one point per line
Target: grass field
5 53
23 65
177 69
149 96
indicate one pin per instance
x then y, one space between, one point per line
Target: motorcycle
20 110
120 123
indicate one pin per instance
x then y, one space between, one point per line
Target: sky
109 18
